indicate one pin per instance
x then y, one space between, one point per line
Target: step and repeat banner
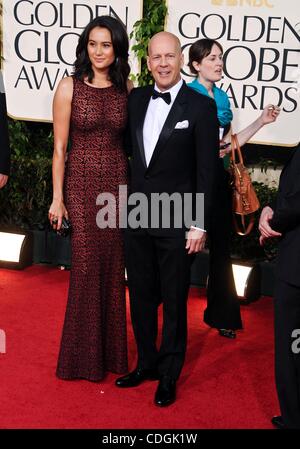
261 41
39 43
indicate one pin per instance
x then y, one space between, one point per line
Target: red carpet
224 384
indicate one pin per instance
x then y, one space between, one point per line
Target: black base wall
52 249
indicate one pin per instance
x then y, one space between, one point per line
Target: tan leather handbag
244 199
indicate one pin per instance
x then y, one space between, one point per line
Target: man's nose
163 61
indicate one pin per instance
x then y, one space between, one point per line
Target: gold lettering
217 2
255 3
268 5
249 2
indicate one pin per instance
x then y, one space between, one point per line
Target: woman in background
223 308
91 107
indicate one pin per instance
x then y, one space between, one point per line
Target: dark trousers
158 270
287 363
223 307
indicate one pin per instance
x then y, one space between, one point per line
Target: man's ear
182 60
148 63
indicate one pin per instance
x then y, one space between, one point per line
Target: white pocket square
182 125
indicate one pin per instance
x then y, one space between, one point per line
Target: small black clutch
65 229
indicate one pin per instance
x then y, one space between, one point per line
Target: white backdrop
261 41
39 43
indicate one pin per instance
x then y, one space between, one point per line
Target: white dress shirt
155 118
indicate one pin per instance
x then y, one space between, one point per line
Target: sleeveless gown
94 334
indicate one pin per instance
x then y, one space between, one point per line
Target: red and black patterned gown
94 334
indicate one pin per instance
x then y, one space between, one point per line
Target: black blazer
286 220
184 160
4 141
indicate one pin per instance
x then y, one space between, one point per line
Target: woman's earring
117 60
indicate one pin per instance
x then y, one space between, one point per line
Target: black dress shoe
227 333
166 392
278 422
136 377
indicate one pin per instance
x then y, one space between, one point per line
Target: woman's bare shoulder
65 87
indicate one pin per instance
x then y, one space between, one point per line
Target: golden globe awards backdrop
261 40
39 43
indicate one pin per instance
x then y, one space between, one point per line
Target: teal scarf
223 107
221 99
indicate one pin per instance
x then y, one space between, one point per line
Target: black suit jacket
184 160
4 141
286 220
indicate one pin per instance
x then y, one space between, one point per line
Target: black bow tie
166 96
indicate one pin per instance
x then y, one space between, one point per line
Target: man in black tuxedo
4 142
282 220
173 142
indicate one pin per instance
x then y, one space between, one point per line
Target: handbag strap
245 230
235 148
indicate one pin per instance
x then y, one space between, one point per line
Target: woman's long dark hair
119 69
199 50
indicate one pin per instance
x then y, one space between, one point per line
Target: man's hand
264 228
195 241
3 180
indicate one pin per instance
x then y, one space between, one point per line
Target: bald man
173 140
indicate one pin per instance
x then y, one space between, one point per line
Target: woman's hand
225 148
269 114
56 212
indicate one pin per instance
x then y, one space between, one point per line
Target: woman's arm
130 86
268 115
61 125
4 142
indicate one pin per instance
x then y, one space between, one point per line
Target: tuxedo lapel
169 125
141 114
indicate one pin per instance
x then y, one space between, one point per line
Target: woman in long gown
90 107
223 308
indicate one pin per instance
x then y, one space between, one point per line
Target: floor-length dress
223 307
94 333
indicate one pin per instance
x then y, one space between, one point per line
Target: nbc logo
257 3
